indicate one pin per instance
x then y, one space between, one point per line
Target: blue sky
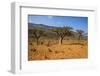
60 21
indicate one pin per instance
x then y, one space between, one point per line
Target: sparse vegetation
62 32
56 43
80 33
37 33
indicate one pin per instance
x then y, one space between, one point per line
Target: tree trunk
60 41
37 41
79 37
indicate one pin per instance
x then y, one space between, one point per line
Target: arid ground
68 50
57 37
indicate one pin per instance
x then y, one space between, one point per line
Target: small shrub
46 57
49 50
48 44
30 43
57 52
33 50
41 43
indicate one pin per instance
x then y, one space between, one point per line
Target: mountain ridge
34 25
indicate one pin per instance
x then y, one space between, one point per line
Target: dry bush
49 51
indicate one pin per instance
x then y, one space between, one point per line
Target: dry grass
68 50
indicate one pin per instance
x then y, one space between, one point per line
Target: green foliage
37 33
62 32
80 33
55 33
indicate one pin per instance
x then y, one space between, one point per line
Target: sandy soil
64 51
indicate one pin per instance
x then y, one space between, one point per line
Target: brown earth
64 51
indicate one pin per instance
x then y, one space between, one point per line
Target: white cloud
50 17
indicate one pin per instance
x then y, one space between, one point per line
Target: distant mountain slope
45 27
49 32
33 25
